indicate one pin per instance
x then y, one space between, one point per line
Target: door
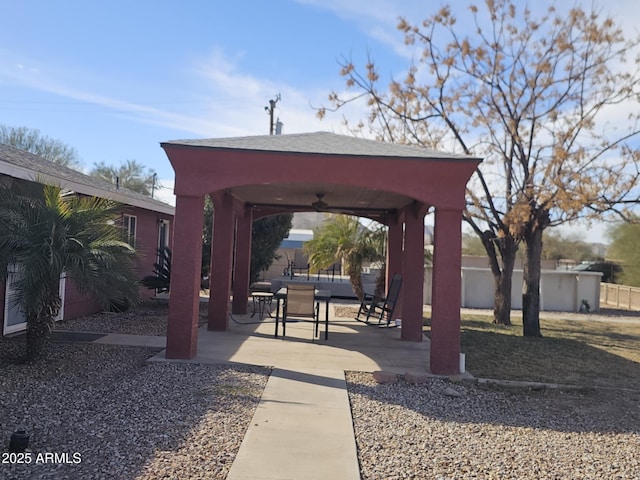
163 234
14 319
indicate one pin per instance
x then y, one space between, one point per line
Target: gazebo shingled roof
320 143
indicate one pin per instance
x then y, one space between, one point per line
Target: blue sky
115 78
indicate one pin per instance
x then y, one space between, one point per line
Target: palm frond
43 238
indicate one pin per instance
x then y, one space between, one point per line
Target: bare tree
544 100
31 140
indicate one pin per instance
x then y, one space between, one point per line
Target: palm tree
52 234
130 174
343 239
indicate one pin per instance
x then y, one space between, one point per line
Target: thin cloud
378 19
46 79
165 192
230 102
241 99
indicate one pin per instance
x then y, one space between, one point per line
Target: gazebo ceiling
321 197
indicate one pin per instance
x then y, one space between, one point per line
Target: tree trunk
502 272
355 276
381 282
38 330
502 297
531 284
40 321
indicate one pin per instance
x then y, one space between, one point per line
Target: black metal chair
300 302
330 271
380 307
299 264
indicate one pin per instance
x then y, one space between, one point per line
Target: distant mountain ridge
307 220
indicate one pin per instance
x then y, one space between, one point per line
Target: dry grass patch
579 352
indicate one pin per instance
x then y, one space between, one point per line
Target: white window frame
130 232
16 327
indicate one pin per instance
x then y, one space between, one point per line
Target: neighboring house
148 225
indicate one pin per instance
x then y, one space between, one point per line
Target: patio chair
330 271
287 271
300 302
380 307
300 264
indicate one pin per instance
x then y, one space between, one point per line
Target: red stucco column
445 306
184 303
412 275
394 257
242 267
221 261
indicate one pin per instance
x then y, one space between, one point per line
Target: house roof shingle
27 166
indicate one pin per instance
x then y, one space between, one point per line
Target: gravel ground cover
128 419
150 318
106 413
443 430
448 430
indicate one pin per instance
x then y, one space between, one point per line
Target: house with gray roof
148 225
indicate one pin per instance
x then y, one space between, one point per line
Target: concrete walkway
302 427
133 340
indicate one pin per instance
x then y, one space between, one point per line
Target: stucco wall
76 305
560 290
147 241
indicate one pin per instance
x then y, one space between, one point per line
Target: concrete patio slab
351 345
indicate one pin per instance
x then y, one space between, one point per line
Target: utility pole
153 184
270 109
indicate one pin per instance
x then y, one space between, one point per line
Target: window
163 234
129 225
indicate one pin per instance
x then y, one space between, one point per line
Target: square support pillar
445 311
242 266
394 249
221 261
184 302
395 240
412 275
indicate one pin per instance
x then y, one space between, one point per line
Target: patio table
319 295
261 303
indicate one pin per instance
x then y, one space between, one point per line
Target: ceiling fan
320 205
323 207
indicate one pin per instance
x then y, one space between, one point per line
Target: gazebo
251 177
